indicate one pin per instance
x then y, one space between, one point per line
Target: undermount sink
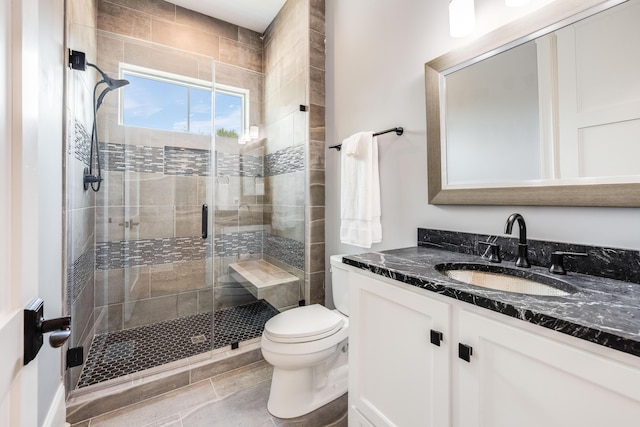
505 279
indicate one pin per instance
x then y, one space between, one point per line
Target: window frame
190 83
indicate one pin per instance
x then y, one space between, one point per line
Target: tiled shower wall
294 166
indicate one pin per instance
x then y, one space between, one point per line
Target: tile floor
233 399
120 353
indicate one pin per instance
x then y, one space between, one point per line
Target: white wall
376 51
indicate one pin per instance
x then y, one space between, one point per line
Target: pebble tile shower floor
120 353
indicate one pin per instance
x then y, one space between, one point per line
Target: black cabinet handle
205 220
436 337
465 352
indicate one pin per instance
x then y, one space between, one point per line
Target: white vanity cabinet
517 374
397 377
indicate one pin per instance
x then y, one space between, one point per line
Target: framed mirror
543 111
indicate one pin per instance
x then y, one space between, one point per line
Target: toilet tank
340 285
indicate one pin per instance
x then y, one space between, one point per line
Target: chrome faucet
522 260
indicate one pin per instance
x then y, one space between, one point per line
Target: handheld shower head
112 84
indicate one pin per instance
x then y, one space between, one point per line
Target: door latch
35 326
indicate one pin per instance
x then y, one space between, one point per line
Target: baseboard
56 417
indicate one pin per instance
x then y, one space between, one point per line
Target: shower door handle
205 220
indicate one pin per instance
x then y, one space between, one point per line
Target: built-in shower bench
267 281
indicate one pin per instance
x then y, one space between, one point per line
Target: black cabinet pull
205 220
436 337
465 352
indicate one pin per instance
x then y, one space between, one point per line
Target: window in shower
158 100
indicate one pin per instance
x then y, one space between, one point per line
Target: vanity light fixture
515 3
462 19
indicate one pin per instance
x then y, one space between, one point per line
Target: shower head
112 84
118 83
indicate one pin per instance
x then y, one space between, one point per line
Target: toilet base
299 391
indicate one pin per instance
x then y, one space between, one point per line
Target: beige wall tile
316 94
316 287
149 189
120 285
187 304
206 23
205 301
250 37
177 277
317 50
150 222
82 321
110 224
158 8
162 59
315 227
185 38
244 56
317 15
123 20
108 318
316 123
186 191
316 187
151 310
111 53
111 189
316 155
188 221
316 257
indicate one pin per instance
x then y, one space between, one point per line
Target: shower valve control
35 326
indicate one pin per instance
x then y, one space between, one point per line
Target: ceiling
253 14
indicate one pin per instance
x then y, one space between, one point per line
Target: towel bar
398 130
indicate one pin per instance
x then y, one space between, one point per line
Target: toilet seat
303 324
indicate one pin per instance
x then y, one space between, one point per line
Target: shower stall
188 189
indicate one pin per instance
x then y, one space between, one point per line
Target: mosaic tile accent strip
250 242
131 253
81 143
286 250
239 165
186 161
78 274
131 158
290 159
120 353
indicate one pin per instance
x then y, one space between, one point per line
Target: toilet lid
302 324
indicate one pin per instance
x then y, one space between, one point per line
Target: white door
29 111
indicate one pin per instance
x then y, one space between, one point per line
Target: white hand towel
360 191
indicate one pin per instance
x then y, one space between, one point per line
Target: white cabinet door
515 377
397 377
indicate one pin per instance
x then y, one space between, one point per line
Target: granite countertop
603 311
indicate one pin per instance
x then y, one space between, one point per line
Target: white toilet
308 347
